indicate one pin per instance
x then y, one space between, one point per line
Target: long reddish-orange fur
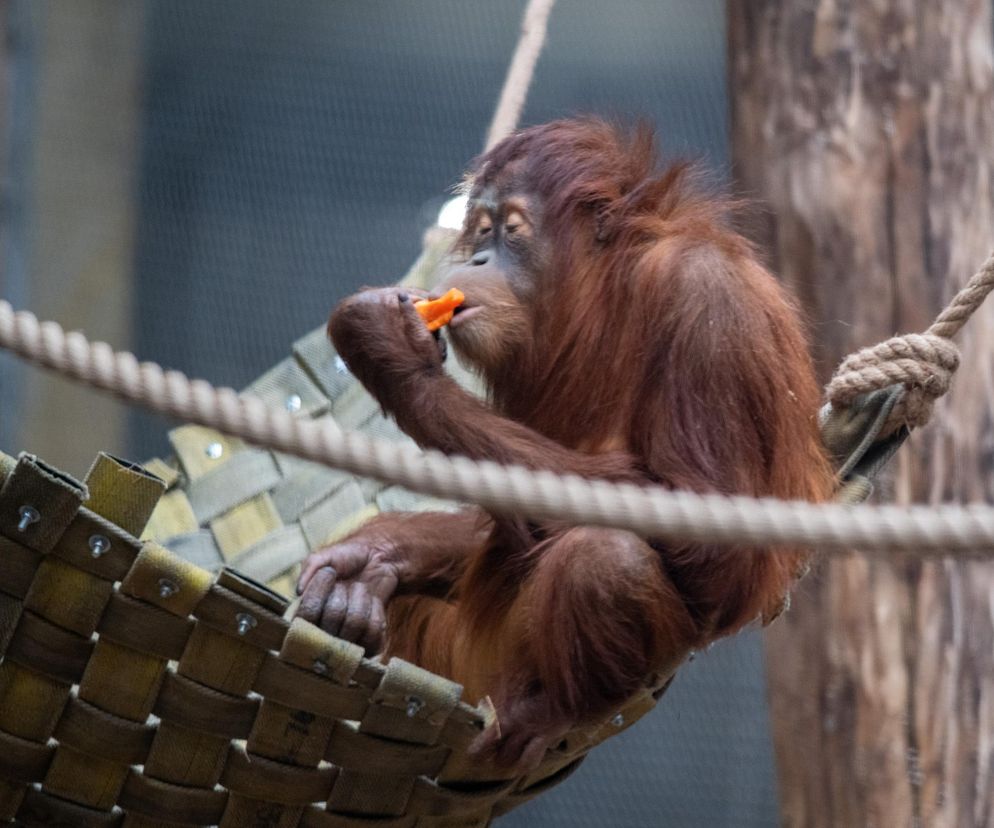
659 350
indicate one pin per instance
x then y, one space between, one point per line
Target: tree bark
867 130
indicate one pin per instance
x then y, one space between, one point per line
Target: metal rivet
618 720
293 403
99 544
414 705
340 365
167 588
245 622
29 515
214 451
320 667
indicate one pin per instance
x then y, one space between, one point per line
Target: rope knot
923 363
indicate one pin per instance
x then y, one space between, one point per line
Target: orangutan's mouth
464 313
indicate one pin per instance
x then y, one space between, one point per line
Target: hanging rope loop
923 363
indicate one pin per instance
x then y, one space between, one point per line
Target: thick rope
651 510
520 72
923 363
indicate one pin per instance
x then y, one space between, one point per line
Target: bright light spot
453 212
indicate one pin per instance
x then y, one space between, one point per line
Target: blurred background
200 182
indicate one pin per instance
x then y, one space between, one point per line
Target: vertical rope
520 72
951 320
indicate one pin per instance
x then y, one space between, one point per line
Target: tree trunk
867 131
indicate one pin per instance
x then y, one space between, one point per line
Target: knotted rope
923 363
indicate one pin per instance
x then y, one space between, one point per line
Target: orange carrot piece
438 312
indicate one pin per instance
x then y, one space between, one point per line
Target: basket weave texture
139 689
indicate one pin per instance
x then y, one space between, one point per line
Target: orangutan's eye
515 223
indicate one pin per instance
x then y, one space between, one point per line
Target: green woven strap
851 436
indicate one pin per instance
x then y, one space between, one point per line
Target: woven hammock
196 702
146 686
140 688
